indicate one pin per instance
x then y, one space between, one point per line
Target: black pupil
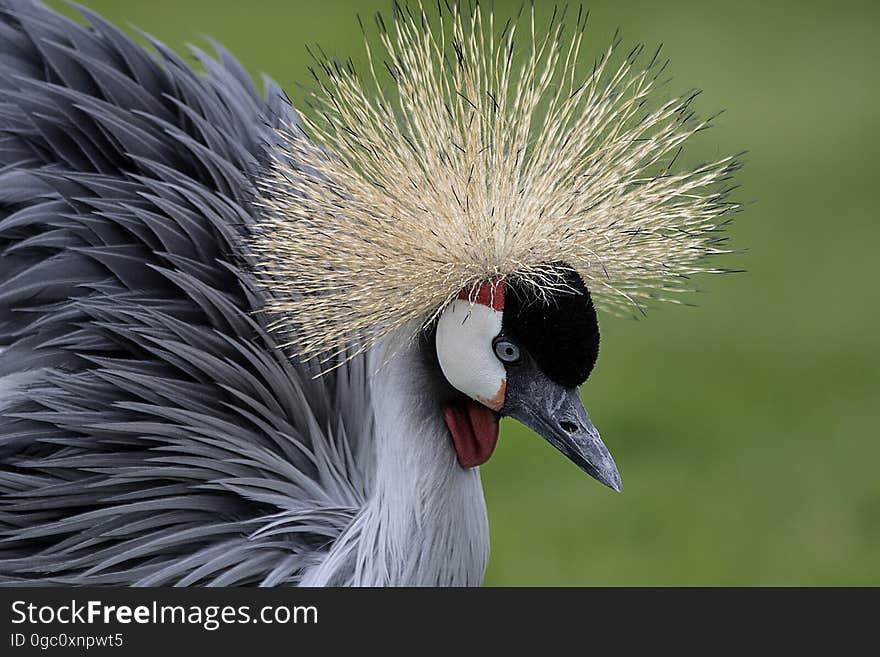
507 351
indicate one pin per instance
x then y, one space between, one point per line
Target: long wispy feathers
481 161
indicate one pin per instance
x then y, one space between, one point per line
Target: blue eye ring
507 351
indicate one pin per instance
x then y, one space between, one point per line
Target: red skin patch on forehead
489 294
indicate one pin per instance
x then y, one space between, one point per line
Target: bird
244 345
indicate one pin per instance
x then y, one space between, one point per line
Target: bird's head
484 195
512 352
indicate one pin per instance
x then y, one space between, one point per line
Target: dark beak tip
600 465
609 479
615 481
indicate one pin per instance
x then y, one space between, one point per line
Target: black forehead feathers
560 329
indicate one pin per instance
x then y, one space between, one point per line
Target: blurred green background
746 430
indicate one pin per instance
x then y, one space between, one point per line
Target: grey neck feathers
425 523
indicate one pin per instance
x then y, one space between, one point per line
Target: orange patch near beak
497 400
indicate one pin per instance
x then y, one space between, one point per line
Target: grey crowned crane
241 346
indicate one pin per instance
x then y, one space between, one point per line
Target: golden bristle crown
479 158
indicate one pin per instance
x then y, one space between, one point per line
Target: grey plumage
166 234
152 431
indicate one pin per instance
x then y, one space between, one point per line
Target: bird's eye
506 351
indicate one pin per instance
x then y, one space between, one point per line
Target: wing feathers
151 429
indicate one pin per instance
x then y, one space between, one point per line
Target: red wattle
474 430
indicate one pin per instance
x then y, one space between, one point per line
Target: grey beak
557 414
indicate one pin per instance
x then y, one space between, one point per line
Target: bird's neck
425 523
432 509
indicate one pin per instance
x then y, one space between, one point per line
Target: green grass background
747 431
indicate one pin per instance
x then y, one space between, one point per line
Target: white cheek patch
465 332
